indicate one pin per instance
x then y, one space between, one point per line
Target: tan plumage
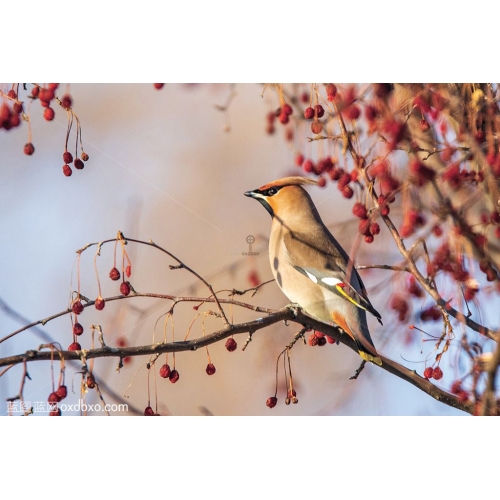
309 264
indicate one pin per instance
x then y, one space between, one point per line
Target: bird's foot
294 308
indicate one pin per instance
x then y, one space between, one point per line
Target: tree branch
285 314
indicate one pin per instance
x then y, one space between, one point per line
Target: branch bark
285 314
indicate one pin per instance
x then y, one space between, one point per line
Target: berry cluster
171 374
435 373
320 339
366 227
11 111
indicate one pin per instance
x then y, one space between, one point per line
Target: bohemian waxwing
310 266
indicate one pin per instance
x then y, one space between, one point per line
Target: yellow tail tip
368 357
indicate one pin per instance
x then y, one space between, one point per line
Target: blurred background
172 165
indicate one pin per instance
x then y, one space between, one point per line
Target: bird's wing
327 268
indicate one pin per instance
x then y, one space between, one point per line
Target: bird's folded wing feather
324 266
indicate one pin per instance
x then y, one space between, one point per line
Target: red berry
374 228
283 118
253 278
270 129
287 109
125 288
321 341
437 231
114 274
331 91
14 121
312 340
75 346
173 376
67 157
55 413
77 329
66 101
62 392
456 387
165 371
480 136
17 107
53 86
304 97
470 293
48 114
347 192
316 127
77 307
35 90
299 159
128 271
5 113
321 182
67 170
463 396
344 180
364 227
318 109
29 149
158 86
210 369
53 398
428 372
308 166
359 210
12 94
352 112
424 125
148 412
384 210
99 303
368 238
271 402
309 113
79 164
231 344
437 373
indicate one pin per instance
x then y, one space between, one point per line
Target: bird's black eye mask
268 192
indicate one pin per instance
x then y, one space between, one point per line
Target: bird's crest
288 181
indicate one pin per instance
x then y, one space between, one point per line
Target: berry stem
68 129
97 254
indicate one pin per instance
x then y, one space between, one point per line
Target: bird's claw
294 308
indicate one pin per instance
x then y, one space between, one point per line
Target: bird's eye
271 192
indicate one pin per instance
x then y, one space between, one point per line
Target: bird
311 267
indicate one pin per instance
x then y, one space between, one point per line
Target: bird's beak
260 198
254 194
